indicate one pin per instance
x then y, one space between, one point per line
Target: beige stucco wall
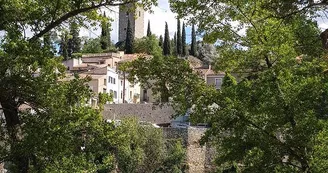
149 97
112 62
97 84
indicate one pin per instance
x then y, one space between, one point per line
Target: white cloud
160 15
157 20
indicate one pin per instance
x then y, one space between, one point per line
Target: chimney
209 67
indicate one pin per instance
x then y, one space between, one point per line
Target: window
105 81
109 79
113 80
104 90
218 82
121 83
139 13
130 94
121 95
115 94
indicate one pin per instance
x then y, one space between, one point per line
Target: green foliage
74 43
272 120
103 98
142 148
147 45
148 30
105 34
166 44
193 50
129 39
64 50
179 39
160 42
175 160
174 45
92 46
183 41
50 138
172 78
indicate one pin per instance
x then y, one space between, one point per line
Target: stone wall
136 22
145 112
199 158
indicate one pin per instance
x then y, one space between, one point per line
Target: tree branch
74 13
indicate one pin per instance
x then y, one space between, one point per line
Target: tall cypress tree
175 44
104 41
179 46
74 43
184 49
166 44
129 39
193 50
63 45
148 29
160 43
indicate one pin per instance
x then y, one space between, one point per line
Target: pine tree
129 39
148 29
166 44
160 43
74 42
104 40
184 49
179 46
193 50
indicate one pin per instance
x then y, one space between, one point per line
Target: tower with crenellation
137 20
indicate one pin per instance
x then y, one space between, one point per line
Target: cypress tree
166 44
175 44
104 34
129 39
184 51
74 43
160 43
148 29
179 46
193 50
63 49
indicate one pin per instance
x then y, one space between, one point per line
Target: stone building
137 20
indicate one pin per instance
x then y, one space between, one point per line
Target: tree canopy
148 45
270 113
270 120
30 74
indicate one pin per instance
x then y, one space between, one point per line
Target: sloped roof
97 71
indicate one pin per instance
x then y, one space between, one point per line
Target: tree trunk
10 110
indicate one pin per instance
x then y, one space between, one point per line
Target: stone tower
137 21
